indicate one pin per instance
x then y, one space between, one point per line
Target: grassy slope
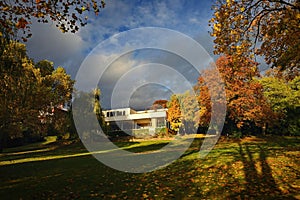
258 168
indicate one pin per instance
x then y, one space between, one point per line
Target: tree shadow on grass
194 147
125 144
259 184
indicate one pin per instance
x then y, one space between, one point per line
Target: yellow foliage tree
259 27
174 114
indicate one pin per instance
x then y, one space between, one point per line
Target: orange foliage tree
244 95
211 96
161 103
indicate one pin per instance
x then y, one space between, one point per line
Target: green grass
251 168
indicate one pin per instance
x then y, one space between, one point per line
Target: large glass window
161 122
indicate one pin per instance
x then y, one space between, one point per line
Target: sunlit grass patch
251 168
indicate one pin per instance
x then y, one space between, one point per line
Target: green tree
86 106
189 108
284 98
263 27
294 110
98 110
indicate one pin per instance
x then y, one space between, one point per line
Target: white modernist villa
127 119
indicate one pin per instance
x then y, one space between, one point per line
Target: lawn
251 168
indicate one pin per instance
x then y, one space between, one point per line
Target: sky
152 73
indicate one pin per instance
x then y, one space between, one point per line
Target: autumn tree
20 93
174 115
204 100
66 14
262 27
27 98
158 104
211 96
46 67
57 88
60 87
244 96
280 74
